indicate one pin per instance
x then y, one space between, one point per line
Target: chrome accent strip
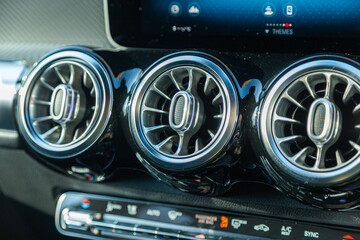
9 138
11 73
107 28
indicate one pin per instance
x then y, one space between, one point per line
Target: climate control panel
101 217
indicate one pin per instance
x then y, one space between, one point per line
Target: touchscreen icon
290 10
269 10
194 9
175 9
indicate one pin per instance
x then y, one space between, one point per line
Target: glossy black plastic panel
251 71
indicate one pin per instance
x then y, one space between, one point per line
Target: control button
173 215
311 234
224 222
194 9
261 227
95 231
206 219
85 204
236 223
132 209
153 212
286 230
175 9
269 10
78 216
112 206
97 216
290 10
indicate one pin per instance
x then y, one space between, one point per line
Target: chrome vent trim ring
65 104
308 121
184 111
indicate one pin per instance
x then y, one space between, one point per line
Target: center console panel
234 121
102 217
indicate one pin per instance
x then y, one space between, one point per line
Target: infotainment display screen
315 18
177 23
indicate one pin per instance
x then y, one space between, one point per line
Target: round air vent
310 122
184 112
64 104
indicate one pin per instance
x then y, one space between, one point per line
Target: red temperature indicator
347 237
200 236
85 203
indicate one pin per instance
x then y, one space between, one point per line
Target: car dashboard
202 119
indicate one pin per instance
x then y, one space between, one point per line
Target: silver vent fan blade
309 122
64 104
184 112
